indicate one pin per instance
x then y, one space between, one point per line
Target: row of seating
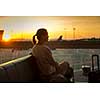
24 69
20 70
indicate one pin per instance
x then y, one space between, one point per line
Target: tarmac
79 77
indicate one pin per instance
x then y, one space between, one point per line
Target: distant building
1 34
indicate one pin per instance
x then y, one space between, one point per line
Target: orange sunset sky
24 27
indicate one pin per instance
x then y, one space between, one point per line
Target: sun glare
6 37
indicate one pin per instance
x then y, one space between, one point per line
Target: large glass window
76 57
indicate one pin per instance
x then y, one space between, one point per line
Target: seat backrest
11 72
26 69
20 70
3 75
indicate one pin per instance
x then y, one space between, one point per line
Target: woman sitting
50 70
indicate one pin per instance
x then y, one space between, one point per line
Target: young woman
49 69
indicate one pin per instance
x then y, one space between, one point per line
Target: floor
80 78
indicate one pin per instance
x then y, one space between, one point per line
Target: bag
94 75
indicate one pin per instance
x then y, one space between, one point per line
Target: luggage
94 74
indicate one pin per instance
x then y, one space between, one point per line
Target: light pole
74 29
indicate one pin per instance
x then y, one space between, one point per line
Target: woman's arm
50 58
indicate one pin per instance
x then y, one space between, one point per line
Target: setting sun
6 37
20 28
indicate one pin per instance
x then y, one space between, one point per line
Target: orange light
6 37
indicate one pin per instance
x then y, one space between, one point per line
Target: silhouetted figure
49 69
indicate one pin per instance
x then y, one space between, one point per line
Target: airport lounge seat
23 69
20 70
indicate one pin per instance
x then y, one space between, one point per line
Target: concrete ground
80 78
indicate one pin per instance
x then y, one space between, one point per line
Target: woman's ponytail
34 41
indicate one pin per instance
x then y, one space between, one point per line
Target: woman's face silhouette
42 36
45 37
